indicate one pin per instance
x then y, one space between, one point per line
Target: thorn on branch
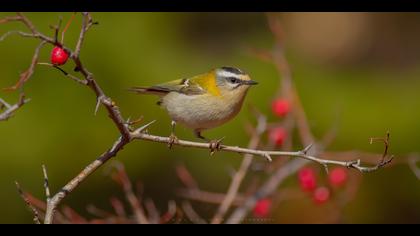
130 123
4 104
143 128
99 100
268 157
306 149
326 168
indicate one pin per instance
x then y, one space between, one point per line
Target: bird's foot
215 145
172 140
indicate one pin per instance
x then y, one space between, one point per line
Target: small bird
204 101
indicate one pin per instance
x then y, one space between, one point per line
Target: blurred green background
365 67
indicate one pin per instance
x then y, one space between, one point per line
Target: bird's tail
148 90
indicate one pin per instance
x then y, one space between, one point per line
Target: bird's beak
249 82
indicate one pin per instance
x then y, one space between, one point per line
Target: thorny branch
127 135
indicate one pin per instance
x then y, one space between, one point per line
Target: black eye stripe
233 80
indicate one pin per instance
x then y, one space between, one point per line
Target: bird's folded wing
184 86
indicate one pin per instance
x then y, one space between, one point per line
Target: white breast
202 112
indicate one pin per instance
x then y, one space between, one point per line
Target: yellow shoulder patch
208 82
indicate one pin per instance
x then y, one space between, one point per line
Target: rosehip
280 107
307 179
337 176
262 208
59 56
277 135
321 195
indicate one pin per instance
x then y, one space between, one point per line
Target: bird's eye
233 80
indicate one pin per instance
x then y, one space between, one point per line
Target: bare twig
56 29
10 19
28 203
171 213
121 178
191 213
70 76
269 187
83 30
28 23
355 164
186 178
11 109
46 184
7 34
66 27
240 174
24 76
153 213
118 207
208 197
90 21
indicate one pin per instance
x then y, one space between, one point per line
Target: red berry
277 135
280 107
262 208
307 179
337 176
59 56
321 195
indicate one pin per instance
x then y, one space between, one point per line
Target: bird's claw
172 140
215 145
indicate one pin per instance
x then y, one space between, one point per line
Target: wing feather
184 86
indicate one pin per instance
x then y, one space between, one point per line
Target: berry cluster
337 177
307 177
277 135
280 107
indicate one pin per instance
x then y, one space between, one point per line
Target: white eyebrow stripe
228 74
